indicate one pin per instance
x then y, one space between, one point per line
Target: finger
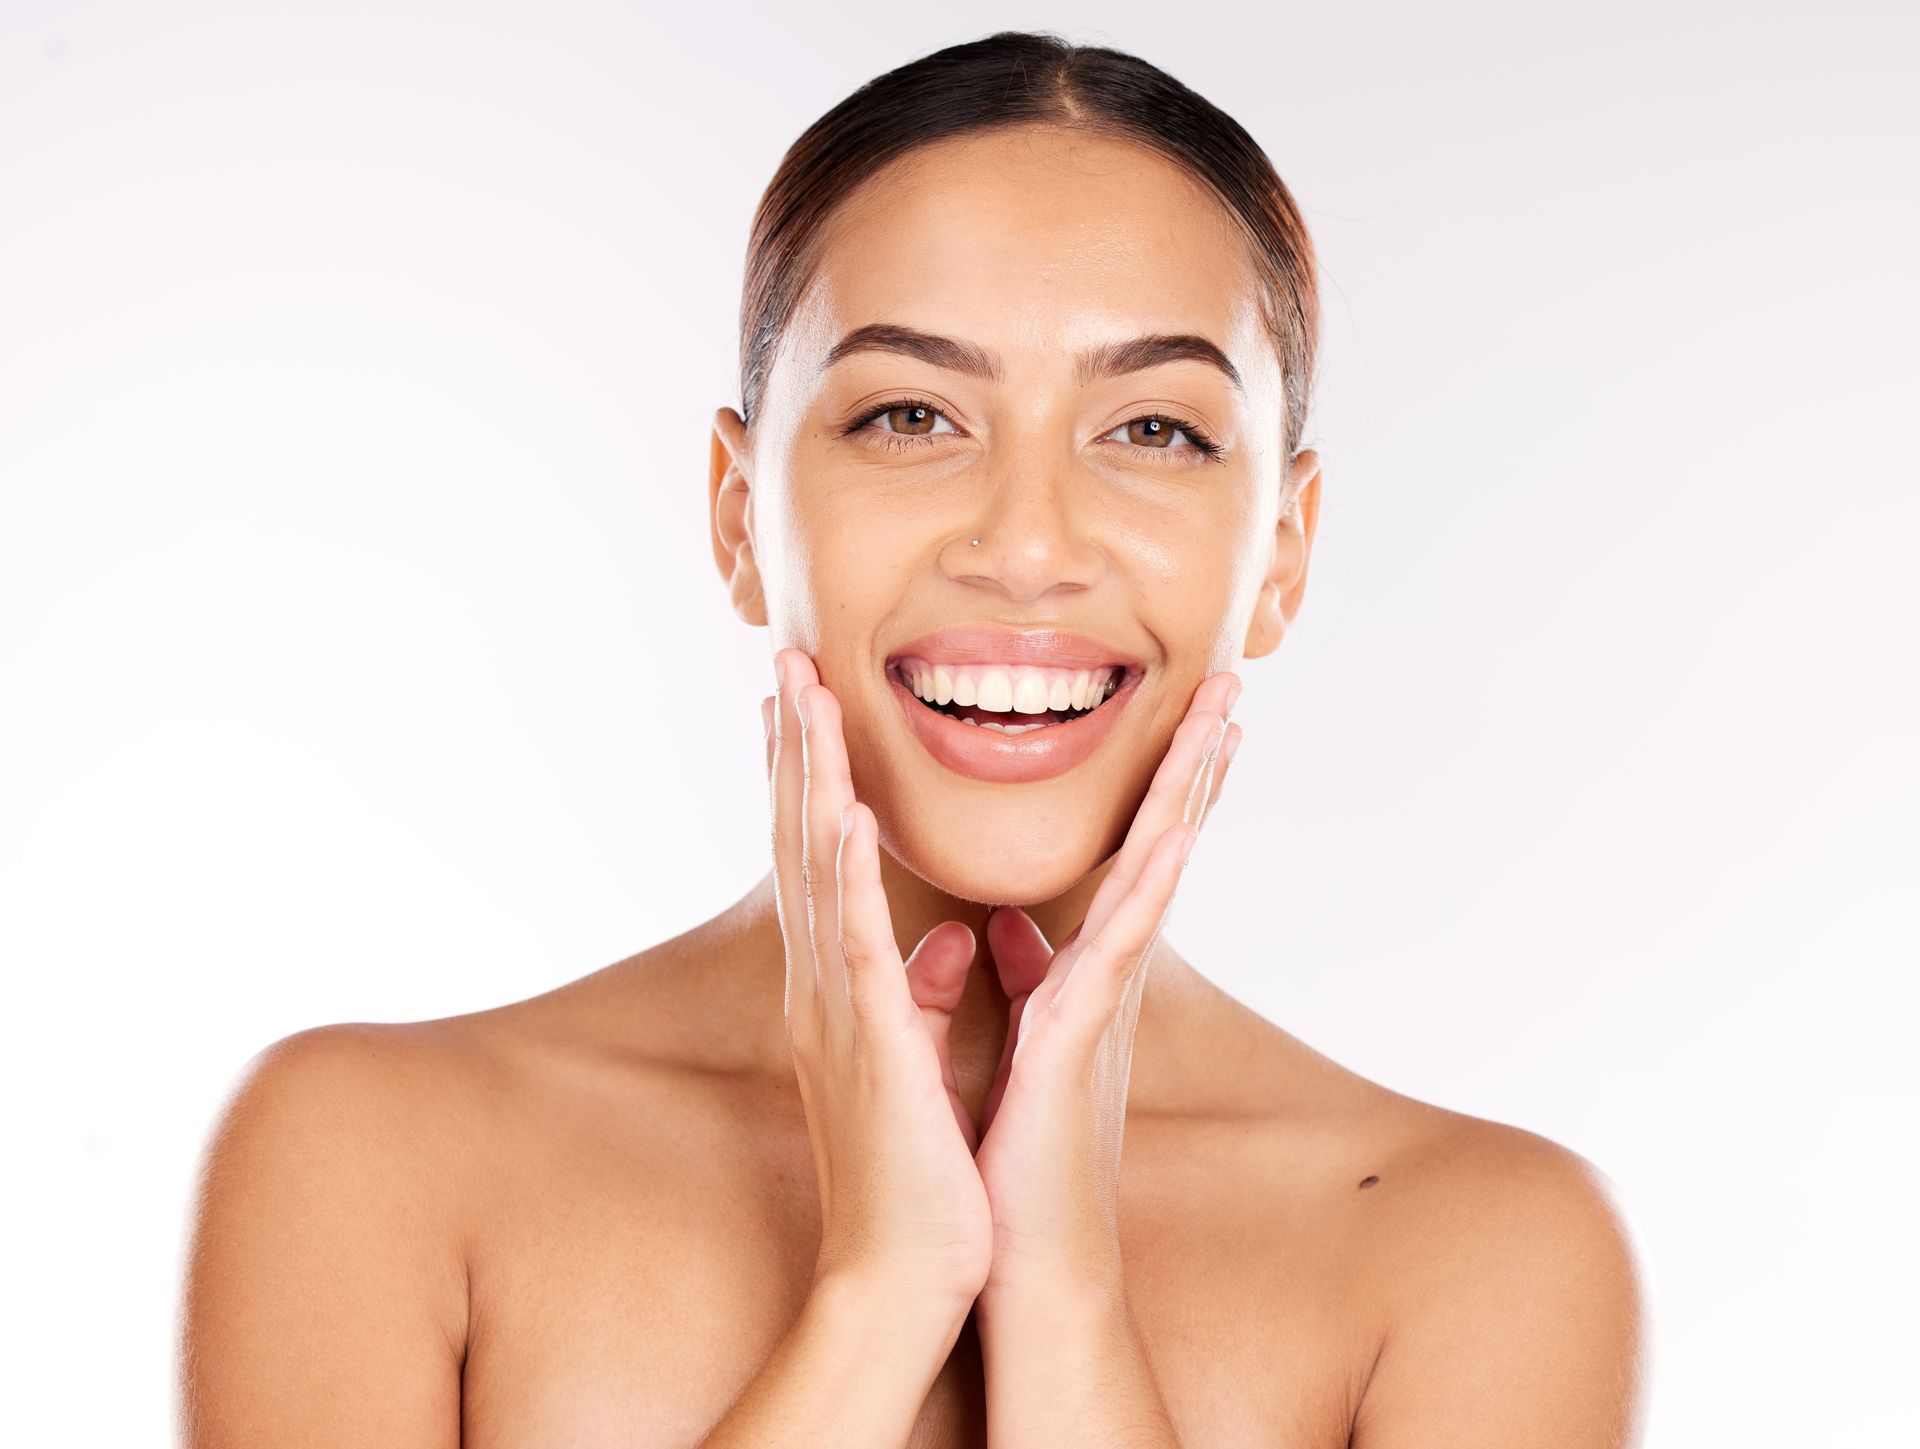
784 789
936 974
1107 961
1058 968
1021 956
937 970
1169 801
1169 797
827 790
990 1106
1229 747
1203 780
877 991
1020 950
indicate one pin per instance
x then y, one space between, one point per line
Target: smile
1012 698
1010 706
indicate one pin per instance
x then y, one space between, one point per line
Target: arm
1064 1363
1521 1320
854 1369
324 1302
326 1298
1066 1366
905 1228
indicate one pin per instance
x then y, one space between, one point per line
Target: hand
902 1206
1053 1119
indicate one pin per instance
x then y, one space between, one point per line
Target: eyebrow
1110 359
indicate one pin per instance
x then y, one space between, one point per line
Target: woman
1015 485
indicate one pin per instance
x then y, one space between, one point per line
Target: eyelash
1202 444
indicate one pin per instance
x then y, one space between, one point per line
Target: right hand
903 1210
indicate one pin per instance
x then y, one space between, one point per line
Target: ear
1286 580
730 515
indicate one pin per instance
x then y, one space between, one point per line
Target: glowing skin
496 1228
1060 451
858 544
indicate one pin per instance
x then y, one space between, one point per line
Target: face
966 364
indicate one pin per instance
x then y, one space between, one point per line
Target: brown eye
910 420
905 420
1151 432
1157 431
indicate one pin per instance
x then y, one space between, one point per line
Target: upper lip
994 644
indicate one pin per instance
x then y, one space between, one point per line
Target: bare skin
699 1197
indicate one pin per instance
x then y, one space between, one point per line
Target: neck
979 1031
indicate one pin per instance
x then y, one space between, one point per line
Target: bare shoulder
355 1194
325 1282
1515 1293
333 1096
423 1112
370 1076
372 1108
1510 1292
1498 1269
1470 1212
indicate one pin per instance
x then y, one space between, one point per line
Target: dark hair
1015 78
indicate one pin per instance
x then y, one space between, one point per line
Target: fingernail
846 821
1187 849
1231 748
1233 693
766 716
1213 740
800 707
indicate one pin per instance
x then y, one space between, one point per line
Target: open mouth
1010 699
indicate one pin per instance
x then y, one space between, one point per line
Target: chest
629 1300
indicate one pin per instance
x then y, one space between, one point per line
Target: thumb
1020 952
1021 955
937 969
936 978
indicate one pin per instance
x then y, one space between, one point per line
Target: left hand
1052 1121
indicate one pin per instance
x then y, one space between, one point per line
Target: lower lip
981 753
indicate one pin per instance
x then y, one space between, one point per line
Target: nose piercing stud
976 543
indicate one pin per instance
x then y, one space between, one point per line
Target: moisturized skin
856 1161
1158 551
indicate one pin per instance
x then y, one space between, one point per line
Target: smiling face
966 363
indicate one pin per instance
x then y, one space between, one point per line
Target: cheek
1194 572
838 573
858 564
815 566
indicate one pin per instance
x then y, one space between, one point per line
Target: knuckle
858 955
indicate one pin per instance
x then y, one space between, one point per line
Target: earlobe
730 516
1278 603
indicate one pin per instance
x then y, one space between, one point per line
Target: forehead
1033 241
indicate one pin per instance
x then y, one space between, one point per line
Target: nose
1034 537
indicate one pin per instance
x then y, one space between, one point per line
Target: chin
995 860
1003 764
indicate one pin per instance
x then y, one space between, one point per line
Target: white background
361 656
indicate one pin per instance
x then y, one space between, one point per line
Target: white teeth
1030 695
1011 689
996 691
1006 729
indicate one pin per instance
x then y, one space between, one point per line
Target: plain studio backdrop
362 659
